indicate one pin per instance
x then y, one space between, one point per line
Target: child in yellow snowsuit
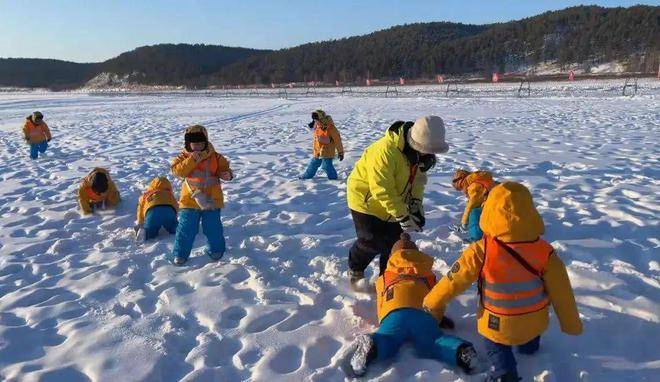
36 133
97 190
157 208
476 186
400 291
519 276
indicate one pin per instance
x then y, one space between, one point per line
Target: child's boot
467 359
365 353
178 260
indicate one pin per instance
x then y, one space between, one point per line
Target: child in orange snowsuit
97 190
400 292
476 186
327 141
157 208
36 133
518 274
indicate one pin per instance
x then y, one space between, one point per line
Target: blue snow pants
157 217
420 328
474 232
36 148
501 356
325 164
189 219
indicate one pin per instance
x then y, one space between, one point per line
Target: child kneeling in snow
157 208
400 293
201 198
518 274
97 191
476 186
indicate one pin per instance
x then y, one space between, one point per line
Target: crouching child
400 293
519 275
201 199
157 208
97 191
476 186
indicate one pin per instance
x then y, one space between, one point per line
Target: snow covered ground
81 300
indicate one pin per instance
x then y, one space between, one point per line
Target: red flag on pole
337 83
571 76
290 85
402 81
440 78
496 77
368 82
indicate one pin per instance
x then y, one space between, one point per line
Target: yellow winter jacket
184 164
378 185
87 197
475 191
406 293
507 215
34 133
159 193
325 126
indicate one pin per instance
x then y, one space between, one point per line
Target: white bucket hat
427 135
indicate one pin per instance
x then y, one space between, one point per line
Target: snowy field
81 300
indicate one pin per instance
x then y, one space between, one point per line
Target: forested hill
573 35
582 35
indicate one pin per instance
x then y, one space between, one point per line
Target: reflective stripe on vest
391 278
510 285
203 175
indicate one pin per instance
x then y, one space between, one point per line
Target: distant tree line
586 35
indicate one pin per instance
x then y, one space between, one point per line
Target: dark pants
501 356
374 237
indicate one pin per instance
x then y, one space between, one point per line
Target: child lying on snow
157 208
518 275
400 293
201 167
97 190
476 186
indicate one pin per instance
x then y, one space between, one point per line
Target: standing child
157 208
518 274
476 186
400 293
36 133
97 191
326 141
201 199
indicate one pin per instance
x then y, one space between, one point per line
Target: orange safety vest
204 175
391 278
511 279
321 135
93 196
35 131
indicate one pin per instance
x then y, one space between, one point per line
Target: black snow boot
365 353
467 359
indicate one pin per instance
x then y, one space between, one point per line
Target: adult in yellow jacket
201 199
475 185
400 293
327 143
519 276
97 190
386 189
157 208
36 134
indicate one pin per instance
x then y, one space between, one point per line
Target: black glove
417 212
446 323
341 157
311 125
48 140
409 225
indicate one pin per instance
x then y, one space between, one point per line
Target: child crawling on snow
97 191
518 276
201 198
157 208
476 186
400 292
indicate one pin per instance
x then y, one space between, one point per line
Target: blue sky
95 30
